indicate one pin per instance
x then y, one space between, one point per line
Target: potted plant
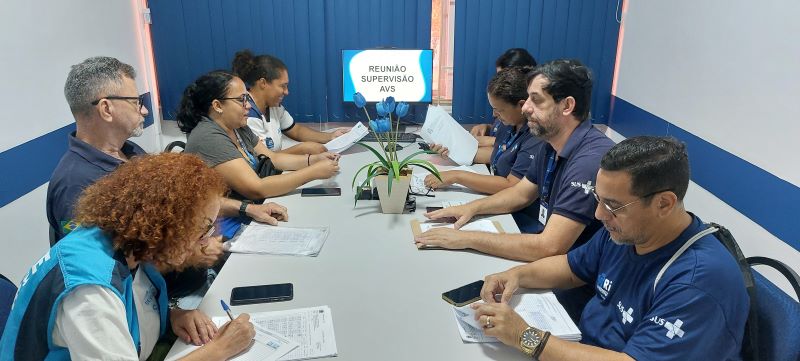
391 175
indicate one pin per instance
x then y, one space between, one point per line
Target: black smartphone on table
262 294
464 295
440 220
320 191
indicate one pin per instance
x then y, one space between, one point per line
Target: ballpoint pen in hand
227 309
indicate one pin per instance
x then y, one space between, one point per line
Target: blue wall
548 29
194 37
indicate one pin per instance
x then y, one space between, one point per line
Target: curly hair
152 206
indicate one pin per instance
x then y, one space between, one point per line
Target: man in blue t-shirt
666 288
560 174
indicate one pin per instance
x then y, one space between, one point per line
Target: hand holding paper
441 129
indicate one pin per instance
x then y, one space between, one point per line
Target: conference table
384 294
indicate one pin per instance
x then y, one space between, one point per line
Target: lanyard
549 174
512 138
252 159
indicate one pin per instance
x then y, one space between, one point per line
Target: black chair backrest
751 332
778 313
177 143
8 291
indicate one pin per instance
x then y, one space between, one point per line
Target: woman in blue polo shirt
513 148
98 293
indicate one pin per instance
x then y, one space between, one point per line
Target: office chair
7 292
778 314
177 143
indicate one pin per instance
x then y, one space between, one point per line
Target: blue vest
83 257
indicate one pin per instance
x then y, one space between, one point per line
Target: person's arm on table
284 161
302 133
305 148
557 237
269 213
482 156
505 201
241 178
232 338
489 184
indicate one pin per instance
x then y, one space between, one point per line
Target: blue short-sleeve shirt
574 173
79 167
697 311
513 152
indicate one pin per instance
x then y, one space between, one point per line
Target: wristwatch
243 208
532 340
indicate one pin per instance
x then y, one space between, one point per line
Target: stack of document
266 239
483 225
346 140
310 328
418 179
440 128
541 310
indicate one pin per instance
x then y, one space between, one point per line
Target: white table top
384 294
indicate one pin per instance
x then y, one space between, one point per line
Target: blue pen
227 309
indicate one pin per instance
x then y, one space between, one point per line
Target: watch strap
540 347
243 208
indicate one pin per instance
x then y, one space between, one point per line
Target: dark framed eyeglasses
139 99
242 99
614 211
210 229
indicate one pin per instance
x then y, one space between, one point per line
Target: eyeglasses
242 99
614 210
139 100
210 229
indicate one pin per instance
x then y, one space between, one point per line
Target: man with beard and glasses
666 287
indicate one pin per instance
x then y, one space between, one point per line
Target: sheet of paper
441 128
311 328
267 345
346 140
418 179
483 225
263 238
541 310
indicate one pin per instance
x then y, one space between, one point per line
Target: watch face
530 338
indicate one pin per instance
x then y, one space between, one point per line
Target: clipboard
416 229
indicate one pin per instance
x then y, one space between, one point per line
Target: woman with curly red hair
98 294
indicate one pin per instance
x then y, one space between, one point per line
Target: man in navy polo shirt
560 175
666 288
102 96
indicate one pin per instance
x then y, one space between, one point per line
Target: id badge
543 213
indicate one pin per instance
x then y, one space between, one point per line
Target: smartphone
442 220
464 295
262 294
320 191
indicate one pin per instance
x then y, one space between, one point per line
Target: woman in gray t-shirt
213 112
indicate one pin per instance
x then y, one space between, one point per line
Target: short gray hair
92 79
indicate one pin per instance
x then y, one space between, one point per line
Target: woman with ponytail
213 113
267 80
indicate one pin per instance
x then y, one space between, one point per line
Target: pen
227 309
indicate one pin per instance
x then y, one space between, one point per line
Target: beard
544 129
137 132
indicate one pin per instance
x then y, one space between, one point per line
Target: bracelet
243 208
309 159
540 349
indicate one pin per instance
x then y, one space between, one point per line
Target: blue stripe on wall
32 163
766 199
